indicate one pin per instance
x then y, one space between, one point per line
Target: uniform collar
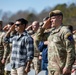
56 29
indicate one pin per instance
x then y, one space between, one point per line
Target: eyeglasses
17 24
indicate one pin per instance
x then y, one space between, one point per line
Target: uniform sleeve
30 48
5 45
40 34
6 50
70 48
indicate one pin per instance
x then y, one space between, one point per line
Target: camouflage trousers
1 68
7 73
7 61
36 64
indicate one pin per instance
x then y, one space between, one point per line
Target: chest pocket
57 39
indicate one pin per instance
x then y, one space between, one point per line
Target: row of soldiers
5 49
60 41
36 31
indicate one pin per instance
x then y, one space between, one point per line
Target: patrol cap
55 13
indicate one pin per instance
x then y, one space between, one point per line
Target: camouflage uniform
5 50
61 50
1 53
74 36
7 53
36 63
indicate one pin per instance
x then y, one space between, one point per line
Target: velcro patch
69 36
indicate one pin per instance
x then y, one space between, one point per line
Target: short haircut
10 23
23 21
44 19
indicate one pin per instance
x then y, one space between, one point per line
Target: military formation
58 47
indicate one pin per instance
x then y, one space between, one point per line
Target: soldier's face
55 21
35 26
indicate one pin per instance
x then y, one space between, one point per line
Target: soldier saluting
61 50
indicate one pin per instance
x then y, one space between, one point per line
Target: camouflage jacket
36 51
61 49
1 45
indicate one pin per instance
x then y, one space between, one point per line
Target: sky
38 5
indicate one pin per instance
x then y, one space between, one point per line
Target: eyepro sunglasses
17 24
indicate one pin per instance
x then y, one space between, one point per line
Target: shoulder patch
69 36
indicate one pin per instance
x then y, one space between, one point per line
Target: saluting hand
12 28
46 24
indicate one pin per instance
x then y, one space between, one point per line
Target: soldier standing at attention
36 63
61 49
1 50
7 48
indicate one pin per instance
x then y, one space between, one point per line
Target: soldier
61 49
1 50
74 36
36 63
43 49
7 48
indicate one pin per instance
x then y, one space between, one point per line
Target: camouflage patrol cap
55 13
